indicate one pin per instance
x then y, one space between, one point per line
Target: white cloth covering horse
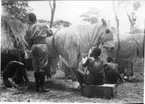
74 42
125 48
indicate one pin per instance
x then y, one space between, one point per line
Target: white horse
125 48
74 42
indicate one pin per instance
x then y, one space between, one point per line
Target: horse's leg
130 71
76 74
133 77
75 63
73 74
54 63
80 79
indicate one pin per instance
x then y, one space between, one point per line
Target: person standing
36 39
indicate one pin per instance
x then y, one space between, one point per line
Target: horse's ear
104 22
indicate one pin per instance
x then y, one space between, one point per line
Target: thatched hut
12 39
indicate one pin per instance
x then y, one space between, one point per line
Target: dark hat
32 17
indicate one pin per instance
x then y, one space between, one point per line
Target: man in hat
36 39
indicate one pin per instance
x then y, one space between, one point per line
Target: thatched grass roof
12 33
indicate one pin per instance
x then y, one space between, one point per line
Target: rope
53 43
118 45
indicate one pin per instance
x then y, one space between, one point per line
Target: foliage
61 23
116 18
12 33
19 9
136 5
132 15
91 15
43 21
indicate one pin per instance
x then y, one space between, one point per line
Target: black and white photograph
72 51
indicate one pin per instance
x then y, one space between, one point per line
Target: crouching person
111 71
95 67
17 72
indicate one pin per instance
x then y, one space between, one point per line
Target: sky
71 11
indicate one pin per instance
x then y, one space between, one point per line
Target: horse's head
106 36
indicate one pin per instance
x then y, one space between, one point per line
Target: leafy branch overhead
61 23
132 14
19 9
91 15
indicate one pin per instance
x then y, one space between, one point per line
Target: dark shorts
96 79
111 76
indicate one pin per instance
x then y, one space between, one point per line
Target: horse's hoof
128 79
125 77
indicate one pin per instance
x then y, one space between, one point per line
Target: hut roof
12 33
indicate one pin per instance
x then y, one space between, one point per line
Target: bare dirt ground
62 90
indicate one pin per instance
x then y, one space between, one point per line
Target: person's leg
35 64
6 82
18 76
24 74
47 71
42 77
41 83
97 79
37 81
112 77
40 61
121 79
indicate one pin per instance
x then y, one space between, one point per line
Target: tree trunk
51 20
117 20
52 12
131 24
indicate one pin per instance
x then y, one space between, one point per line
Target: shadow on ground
56 84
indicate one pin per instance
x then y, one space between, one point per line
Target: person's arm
104 63
86 63
28 40
105 66
49 32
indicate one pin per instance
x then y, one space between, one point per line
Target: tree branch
50 5
117 20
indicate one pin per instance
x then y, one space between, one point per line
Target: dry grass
64 91
12 34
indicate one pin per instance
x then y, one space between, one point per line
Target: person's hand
84 59
104 66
